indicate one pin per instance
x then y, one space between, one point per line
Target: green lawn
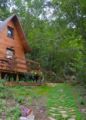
61 101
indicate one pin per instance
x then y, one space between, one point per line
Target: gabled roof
16 21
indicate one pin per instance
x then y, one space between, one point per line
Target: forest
56 32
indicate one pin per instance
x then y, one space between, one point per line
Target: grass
62 101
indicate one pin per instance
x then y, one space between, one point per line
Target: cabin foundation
9 76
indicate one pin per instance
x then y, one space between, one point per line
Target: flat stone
53 108
50 118
23 118
64 115
63 112
54 114
60 107
51 84
30 117
83 110
71 119
61 90
72 110
73 116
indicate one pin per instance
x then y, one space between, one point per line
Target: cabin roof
15 19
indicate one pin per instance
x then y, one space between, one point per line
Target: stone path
62 113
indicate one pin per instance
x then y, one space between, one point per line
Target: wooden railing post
17 77
0 76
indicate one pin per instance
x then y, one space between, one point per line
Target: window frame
8 56
11 30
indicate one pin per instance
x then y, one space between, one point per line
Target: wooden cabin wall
16 43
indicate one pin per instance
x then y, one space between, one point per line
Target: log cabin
13 48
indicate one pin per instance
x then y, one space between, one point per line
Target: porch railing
18 64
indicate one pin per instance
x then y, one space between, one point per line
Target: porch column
17 77
0 76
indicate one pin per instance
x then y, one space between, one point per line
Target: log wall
16 44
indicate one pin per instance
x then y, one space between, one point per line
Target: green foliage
15 112
53 97
4 12
60 96
20 100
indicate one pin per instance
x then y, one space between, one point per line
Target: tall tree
4 11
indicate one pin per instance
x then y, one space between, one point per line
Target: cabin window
10 32
10 53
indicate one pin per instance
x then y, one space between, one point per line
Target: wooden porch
18 65
16 68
